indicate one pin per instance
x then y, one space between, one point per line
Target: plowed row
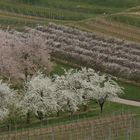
87 128
113 56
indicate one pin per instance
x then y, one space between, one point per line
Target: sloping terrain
120 127
79 13
113 56
107 26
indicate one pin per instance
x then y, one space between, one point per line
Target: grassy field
78 13
70 3
132 92
66 9
129 19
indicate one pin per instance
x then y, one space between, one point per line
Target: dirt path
126 102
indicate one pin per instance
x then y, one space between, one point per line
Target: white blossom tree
102 87
44 96
88 85
98 86
7 99
106 88
69 91
39 97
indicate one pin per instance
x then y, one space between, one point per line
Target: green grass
107 3
59 67
20 23
46 12
132 92
68 10
126 19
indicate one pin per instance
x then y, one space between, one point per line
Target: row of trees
43 96
24 53
117 57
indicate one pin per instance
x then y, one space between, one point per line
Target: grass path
126 102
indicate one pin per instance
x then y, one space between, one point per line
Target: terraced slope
79 13
108 127
109 27
129 18
117 57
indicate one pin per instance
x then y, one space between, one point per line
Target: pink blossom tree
22 54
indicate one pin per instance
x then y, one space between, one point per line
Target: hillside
86 15
69 69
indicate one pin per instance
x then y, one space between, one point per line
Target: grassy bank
133 20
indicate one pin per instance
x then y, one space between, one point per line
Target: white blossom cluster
67 92
7 98
46 96
39 95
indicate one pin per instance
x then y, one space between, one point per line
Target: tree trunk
28 118
71 114
85 107
101 102
9 127
26 74
58 113
101 107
